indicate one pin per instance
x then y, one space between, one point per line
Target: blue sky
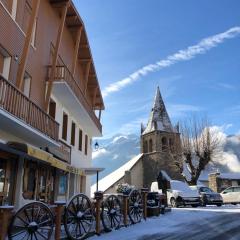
127 35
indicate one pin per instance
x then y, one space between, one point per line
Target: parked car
208 196
231 195
180 194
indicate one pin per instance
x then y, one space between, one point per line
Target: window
237 189
171 144
73 134
80 140
62 188
86 144
29 179
27 84
64 126
164 144
5 62
228 190
52 109
150 145
145 146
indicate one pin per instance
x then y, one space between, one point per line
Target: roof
115 176
159 119
74 23
230 176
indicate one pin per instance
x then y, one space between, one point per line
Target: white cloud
226 86
230 160
225 158
99 153
179 110
182 55
132 126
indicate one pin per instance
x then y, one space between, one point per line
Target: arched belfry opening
150 145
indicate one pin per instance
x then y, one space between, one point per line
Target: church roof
159 119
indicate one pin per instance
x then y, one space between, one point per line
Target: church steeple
159 119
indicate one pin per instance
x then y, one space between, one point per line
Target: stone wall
156 161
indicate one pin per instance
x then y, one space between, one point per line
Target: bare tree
199 144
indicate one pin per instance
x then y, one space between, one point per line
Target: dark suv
209 197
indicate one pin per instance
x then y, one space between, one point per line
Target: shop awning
44 156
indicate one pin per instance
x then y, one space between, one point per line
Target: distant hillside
119 149
115 151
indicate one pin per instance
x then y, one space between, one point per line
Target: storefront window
29 185
2 177
62 184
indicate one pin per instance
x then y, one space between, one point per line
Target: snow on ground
184 223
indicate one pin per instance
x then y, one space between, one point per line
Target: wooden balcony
16 103
62 74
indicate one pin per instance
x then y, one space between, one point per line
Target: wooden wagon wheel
111 213
78 217
34 221
135 207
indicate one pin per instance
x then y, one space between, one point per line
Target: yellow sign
44 156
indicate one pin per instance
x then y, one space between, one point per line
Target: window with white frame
27 84
5 62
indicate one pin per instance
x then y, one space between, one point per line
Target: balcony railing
15 102
62 73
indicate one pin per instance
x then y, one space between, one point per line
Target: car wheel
203 203
173 202
234 204
219 204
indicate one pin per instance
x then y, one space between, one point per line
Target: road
210 223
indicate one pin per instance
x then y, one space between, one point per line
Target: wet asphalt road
222 226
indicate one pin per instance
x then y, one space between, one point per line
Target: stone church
159 141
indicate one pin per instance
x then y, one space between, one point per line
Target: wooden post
55 56
5 216
98 196
144 192
125 210
58 210
27 44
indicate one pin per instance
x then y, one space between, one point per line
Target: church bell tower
159 141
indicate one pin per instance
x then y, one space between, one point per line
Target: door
7 181
236 195
227 195
45 184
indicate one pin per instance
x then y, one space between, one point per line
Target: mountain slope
117 150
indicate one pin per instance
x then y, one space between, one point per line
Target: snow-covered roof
113 177
159 119
230 175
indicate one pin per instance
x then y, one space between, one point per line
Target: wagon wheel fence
78 217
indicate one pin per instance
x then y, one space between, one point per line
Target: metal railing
15 102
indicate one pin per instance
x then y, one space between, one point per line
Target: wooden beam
94 96
84 59
55 56
75 55
84 46
86 78
27 44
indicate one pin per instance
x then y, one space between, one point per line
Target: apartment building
50 102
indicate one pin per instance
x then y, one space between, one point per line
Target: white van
179 194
